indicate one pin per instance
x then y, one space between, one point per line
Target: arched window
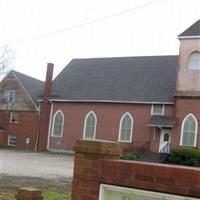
189 131
194 61
58 122
90 126
125 128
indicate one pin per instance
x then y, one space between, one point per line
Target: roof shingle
193 30
161 121
33 86
120 79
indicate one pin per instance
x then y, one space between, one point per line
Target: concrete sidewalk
31 164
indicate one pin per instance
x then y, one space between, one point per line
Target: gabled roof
121 79
193 30
33 86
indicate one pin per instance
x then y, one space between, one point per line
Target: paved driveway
15 163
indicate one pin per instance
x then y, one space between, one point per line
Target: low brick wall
98 162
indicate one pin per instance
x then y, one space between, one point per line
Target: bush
130 156
185 156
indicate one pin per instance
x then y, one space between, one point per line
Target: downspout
37 131
50 121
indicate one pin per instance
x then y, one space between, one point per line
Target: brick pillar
45 110
29 193
88 156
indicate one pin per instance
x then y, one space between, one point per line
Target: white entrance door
165 138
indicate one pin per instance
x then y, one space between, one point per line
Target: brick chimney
45 110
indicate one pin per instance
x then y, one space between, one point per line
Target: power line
84 23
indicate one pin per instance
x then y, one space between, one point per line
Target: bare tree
6 59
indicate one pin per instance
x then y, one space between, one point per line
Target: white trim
29 96
54 116
127 191
85 120
189 37
109 101
120 124
160 126
50 126
11 145
196 130
163 109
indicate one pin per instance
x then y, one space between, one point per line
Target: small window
14 117
194 61
157 109
189 131
166 137
90 126
125 128
58 122
12 140
8 96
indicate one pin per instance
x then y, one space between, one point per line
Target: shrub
130 156
185 156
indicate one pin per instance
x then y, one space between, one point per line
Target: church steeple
187 94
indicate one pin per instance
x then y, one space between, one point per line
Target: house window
8 96
90 126
194 61
14 117
189 131
125 128
12 140
58 123
157 109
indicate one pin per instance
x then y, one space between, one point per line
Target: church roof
143 79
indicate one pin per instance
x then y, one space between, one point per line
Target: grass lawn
52 189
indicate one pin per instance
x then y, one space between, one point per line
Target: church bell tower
186 132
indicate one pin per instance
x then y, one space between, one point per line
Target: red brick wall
108 119
98 162
25 128
183 107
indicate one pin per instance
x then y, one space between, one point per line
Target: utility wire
83 24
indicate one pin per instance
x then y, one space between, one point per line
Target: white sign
110 192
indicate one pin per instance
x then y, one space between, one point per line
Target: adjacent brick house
19 112
149 103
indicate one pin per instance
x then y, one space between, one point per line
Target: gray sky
116 28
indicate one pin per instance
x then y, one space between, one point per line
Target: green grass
47 196
56 196
6 196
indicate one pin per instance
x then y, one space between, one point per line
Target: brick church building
149 103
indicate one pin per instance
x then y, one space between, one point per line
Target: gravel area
31 164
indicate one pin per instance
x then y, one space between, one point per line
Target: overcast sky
42 31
